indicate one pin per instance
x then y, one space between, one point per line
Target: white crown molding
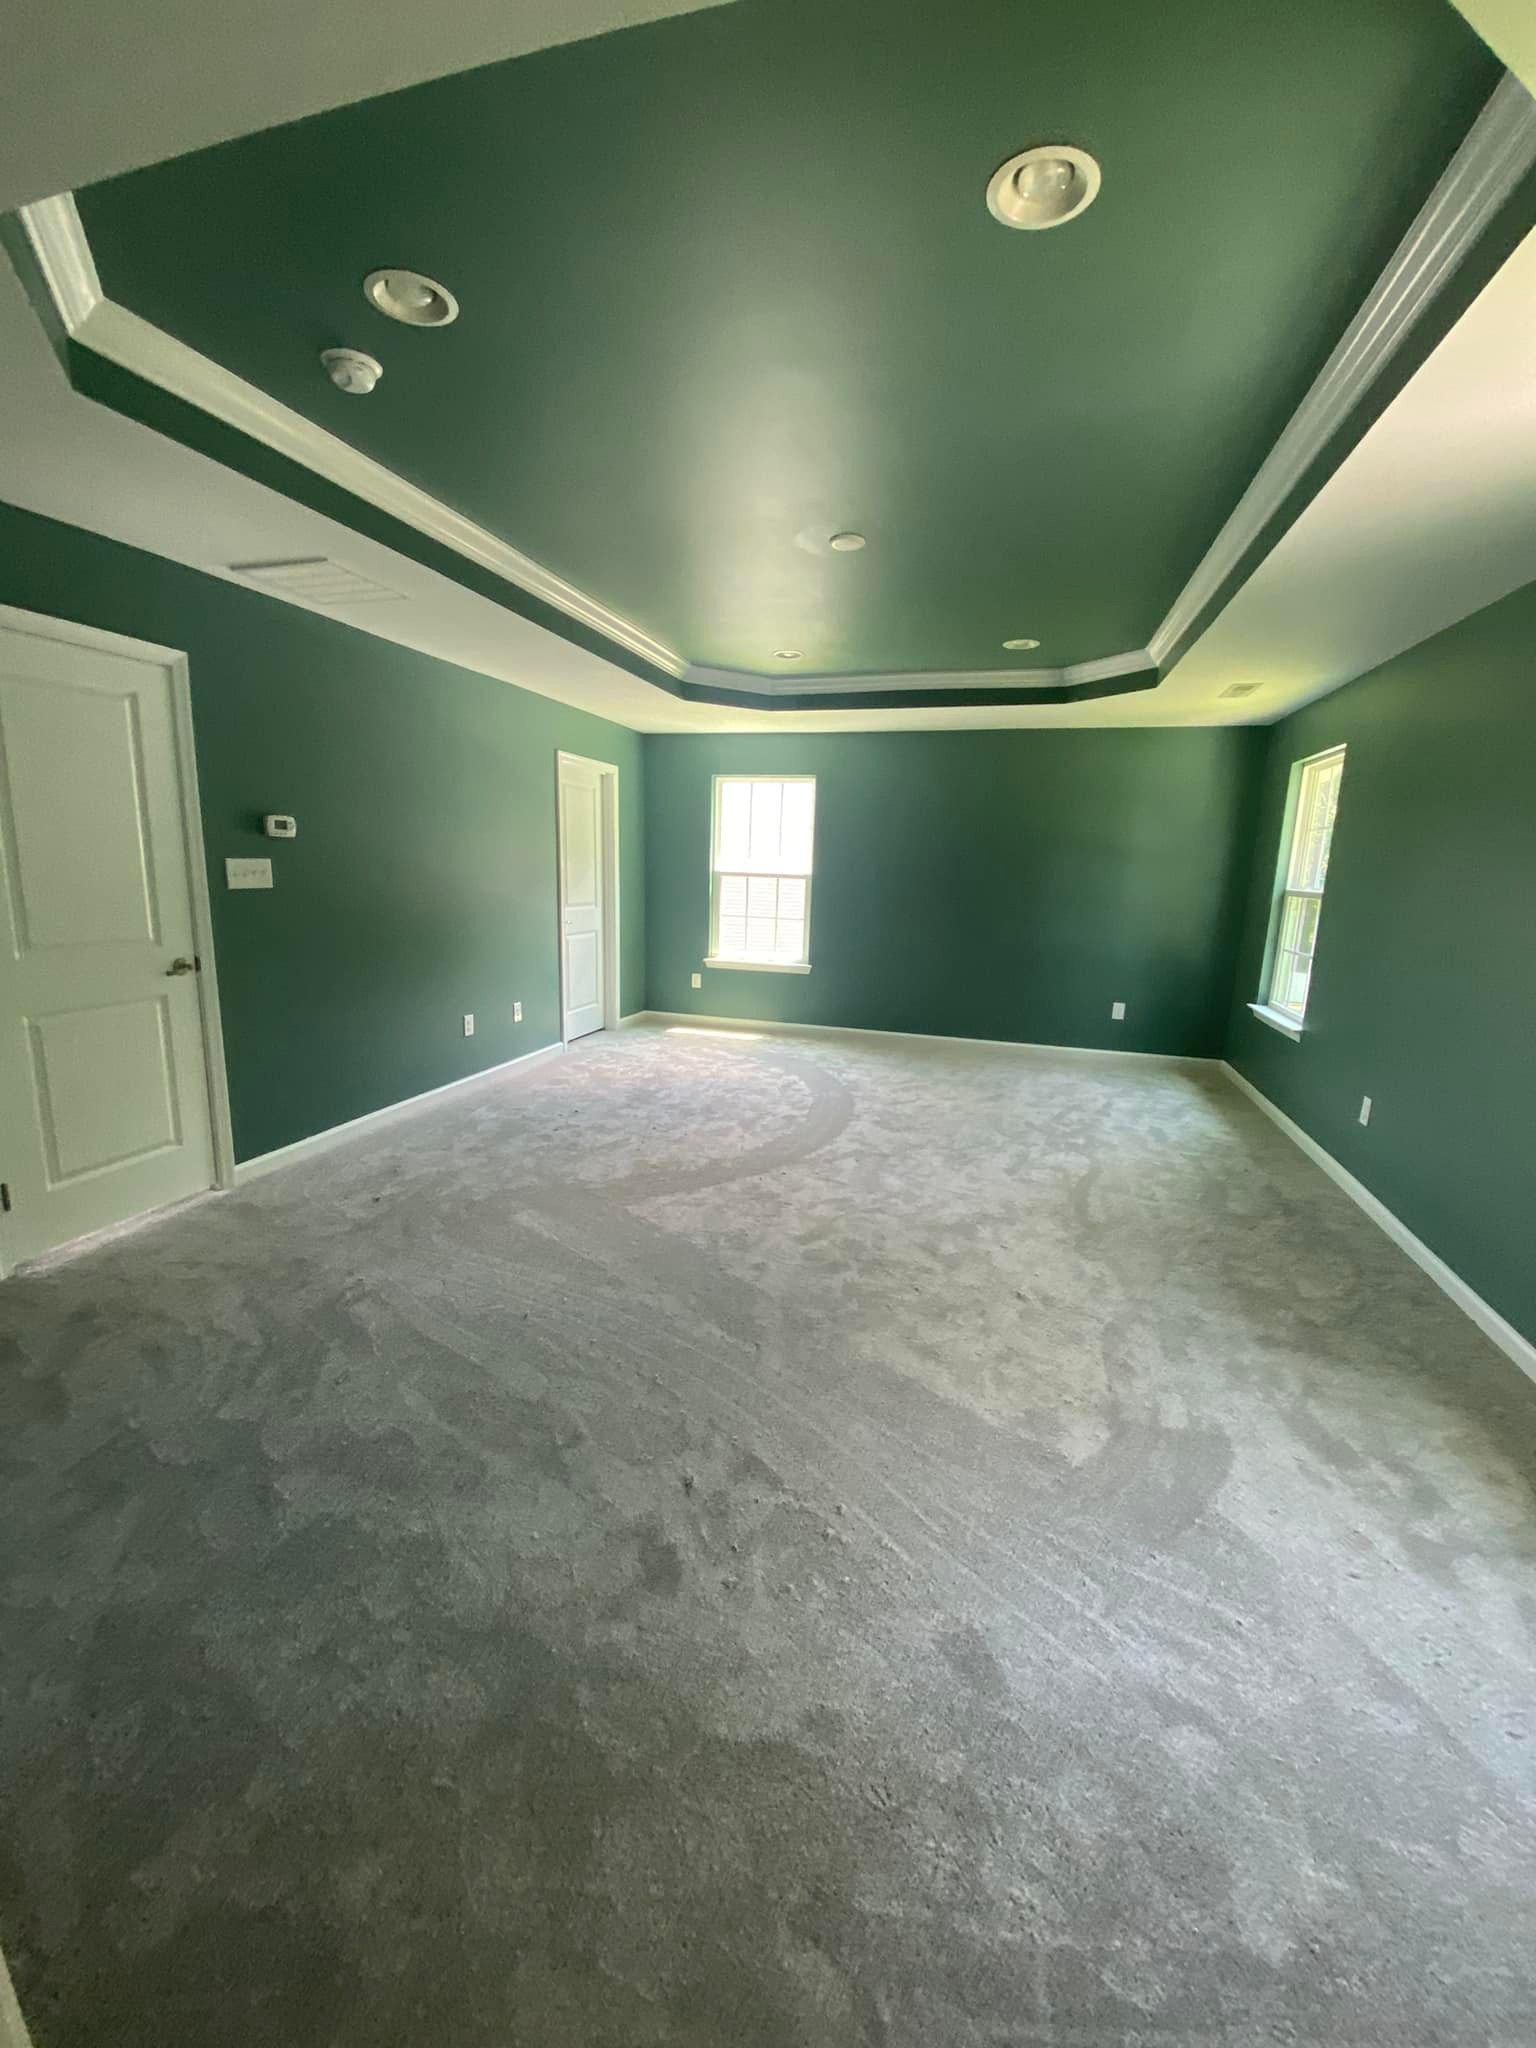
1500 147
1105 669
58 237
1498 150
57 234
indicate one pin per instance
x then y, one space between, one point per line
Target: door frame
608 882
184 764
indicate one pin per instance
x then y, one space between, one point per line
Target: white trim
123 337
13 2028
1493 1326
608 865
745 681
1499 148
1277 1020
779 1029
71 633
358 1126
57 234
760 966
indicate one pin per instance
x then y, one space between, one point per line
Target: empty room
768 1024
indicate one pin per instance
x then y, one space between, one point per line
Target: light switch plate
698 981
248 874
1117 1013
517 1013
1365 1109
469 1023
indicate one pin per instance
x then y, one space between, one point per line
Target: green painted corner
1424 988
1008 885
422 882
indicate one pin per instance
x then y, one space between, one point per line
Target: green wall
422 882
985 885
1424 990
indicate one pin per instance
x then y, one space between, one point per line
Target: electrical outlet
1117 1013
1365 1109
469 1023
698 981
517 1013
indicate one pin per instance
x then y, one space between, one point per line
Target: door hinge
5 1198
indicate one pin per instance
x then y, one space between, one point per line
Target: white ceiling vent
1238 690
315 580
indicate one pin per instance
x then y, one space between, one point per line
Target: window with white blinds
1303 877
760 872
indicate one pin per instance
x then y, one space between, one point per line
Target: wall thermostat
278 825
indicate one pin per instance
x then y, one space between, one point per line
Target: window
760 872
1299 897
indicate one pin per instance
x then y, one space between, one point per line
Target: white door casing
587 813
106 1103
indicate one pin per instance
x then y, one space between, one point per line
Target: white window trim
734 963
1277 1015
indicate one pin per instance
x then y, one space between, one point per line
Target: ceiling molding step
109 330
57 234
1499 149
744 682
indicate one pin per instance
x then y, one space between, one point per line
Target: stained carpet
769 1545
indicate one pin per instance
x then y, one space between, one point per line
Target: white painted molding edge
1499 148
1495 1327
358 1126
1497 151
1105 669
13 2028
58 238
768 1028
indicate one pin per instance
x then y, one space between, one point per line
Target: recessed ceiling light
787 654
1044 187
846 543
407 295
1020 646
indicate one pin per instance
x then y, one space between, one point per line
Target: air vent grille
315 580
1238 690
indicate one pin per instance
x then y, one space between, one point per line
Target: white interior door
104 1106
582 949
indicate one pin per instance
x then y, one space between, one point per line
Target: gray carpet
779 1545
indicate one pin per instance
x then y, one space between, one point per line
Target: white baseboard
859 1031
338 1134
1493 1326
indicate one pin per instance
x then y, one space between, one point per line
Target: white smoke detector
351 371
408 296
1044 187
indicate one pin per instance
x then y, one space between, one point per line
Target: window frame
1270 1009
715 958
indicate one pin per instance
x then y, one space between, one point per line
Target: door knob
182 966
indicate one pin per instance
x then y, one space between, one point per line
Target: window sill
762 966
1276 1020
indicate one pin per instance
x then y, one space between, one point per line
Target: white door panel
581 834
104 1108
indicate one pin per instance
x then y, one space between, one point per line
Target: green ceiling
729 283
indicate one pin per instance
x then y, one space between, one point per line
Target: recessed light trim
1044 187
411 298
788 654
1020 646
846 543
